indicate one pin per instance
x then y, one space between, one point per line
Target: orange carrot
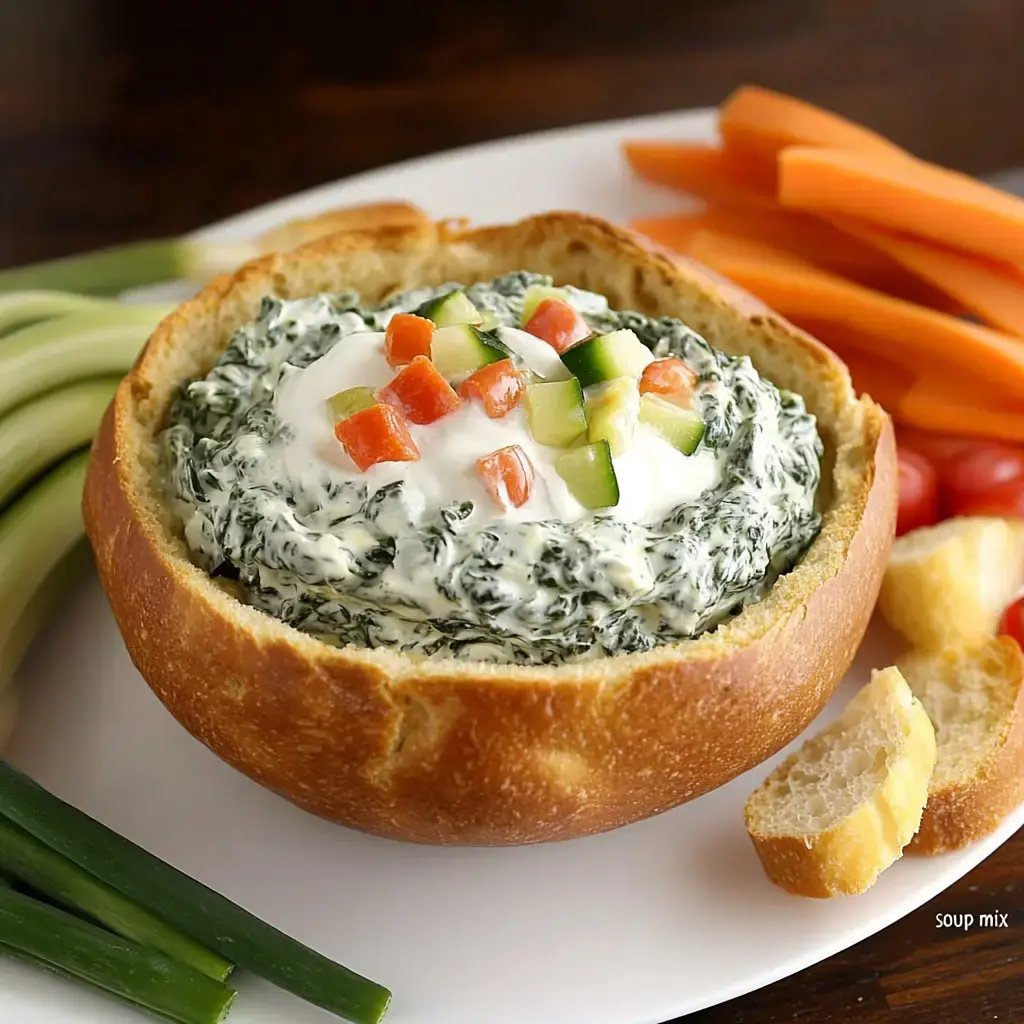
904 195
755 124
909 335
885 381
961 406
810 238
700 170
993 291
715 247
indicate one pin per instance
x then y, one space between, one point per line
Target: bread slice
948 585
456 750
369 216
973 696
839 811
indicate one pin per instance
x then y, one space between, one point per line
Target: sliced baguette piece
839 811
973 696
368 217
947 585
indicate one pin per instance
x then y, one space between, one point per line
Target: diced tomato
671 378
1012 622
420 392
1005 500
508 476
499 386
377 434
406 337
557 323
919 491
978 470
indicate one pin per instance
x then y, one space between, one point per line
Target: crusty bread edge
448 751
957 815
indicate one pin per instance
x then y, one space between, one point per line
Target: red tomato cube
508 476
420 392
406 337
377 434
671 378
557 323
499 386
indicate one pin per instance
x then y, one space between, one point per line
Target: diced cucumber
489 322
535 295
555 412
451 308
682 428
462 348
590 475
350 401
619 354
612 414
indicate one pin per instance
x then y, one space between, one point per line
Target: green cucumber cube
590 475
460 349
682 428
350 401
555 412
453 307
619 354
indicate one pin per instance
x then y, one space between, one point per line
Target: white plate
641 925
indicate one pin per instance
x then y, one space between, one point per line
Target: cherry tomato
939 448
1012 622
1004 500
977 471
919 491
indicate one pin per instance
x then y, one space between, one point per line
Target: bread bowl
460 751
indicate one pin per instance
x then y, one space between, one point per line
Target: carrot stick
811 239
909 335
993 291
961 406
714 247
700 170
885 381
904 195
755 124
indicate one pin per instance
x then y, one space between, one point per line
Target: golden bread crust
462 752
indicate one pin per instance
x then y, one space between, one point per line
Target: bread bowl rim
706 676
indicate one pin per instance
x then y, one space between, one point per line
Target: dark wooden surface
121 119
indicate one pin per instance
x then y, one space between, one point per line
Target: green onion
111 271
46 355
187 904
19 309
36 933
37 434
33 862
8 715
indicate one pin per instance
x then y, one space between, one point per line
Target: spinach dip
413 556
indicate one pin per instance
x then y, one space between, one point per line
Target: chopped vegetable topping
555 412
462 349
618 354
535 295
499 386
671 378
558 323
420 392
682 428
508 476
612 414
377 435
590 475
350 401
406 337
452 307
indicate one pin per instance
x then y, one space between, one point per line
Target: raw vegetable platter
641 925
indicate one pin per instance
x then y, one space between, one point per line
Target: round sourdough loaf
452 751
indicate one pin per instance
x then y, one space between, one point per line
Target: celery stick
34 932
111 271
38 433
46 355
189 905
37 531
24 857
19 309
45 595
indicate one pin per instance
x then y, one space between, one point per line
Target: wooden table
118 123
